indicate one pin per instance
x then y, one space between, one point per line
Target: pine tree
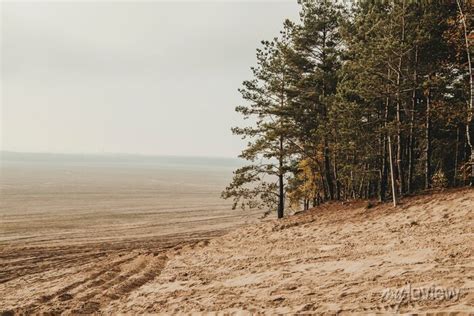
315 64
268 148
359 102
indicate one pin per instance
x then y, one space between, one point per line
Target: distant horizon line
115 154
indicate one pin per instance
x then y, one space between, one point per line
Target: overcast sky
129 77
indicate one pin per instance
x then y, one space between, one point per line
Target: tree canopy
371 100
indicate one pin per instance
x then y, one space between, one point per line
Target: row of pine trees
372 99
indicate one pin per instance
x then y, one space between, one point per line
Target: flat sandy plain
76 235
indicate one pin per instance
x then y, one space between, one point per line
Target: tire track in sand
101 285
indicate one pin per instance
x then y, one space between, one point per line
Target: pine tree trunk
361 187
383 145
428 141
281 198
352 195
471 91
327 163
411 144
327 170
456 157
383 171
401 180
367 185
392 175
336 180
411 153
401 174
325 187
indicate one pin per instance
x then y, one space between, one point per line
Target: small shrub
439 180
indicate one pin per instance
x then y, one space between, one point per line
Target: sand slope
337 258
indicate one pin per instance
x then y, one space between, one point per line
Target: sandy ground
333 259
59 204
337 258
75 237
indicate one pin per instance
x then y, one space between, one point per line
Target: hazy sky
131 77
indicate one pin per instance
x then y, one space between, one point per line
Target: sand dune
337 258
332 259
